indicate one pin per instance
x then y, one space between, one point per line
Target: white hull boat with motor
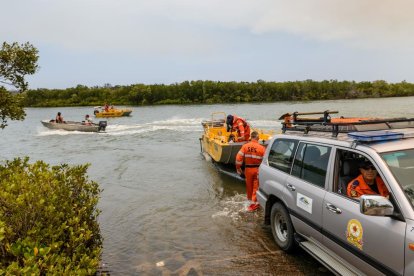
75 126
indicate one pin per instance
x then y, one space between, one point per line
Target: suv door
276 167
305 188
373 244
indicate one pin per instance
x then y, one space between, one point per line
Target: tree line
212 92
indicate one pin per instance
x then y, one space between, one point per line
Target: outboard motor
102 125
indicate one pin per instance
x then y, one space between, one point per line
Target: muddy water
165 209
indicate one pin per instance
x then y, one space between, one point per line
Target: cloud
360 23
193 27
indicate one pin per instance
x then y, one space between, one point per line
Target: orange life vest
357 187
251 153
242 128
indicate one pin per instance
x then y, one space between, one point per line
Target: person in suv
367 183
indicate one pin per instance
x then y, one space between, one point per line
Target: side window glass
281 154
348 169
311 163
298 163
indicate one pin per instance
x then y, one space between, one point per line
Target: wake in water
172 124
181 125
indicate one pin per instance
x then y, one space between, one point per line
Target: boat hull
224 153
113 113
73 126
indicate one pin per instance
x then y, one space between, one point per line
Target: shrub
48 219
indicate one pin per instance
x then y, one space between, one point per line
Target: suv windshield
401 164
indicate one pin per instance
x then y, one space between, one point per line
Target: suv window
311 163
401 164
281 154
347 169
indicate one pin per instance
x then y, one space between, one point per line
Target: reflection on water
165 209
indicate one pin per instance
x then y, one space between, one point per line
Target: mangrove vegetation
48 214
212 92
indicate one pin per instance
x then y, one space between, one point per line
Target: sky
124 42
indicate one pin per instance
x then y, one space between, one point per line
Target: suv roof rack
293 122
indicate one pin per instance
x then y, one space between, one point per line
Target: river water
165 209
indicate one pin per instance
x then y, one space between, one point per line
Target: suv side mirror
375 205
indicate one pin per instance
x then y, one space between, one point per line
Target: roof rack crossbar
336 128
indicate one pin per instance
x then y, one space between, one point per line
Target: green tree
16 61
48 219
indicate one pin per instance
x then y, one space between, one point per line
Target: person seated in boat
88 121
106 107
59 118
367 183
239 125
111 106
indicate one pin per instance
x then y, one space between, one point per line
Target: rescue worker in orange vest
367 183
240 125
251 154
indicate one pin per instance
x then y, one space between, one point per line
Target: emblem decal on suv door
304 202
354 232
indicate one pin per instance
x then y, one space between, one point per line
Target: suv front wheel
282 227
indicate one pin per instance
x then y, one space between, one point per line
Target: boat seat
348 171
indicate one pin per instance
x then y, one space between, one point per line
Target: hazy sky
122 42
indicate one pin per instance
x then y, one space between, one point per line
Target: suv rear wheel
282 227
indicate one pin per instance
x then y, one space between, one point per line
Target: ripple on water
235 208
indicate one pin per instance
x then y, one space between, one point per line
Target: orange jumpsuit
357 187
252 154
242 128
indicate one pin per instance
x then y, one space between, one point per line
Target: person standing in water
251 154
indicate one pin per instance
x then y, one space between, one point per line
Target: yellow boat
217 142
112 112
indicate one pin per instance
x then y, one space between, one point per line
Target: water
165 209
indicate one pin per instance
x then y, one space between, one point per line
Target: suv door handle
291 187
333 208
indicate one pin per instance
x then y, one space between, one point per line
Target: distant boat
216 141
75 126
100 112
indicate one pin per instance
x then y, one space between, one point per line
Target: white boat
75 126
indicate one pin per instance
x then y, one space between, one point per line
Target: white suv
304 179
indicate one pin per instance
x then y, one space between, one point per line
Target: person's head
368 171
254 135
59 113
87 116
229 122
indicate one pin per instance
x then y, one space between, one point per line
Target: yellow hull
215 142
113 113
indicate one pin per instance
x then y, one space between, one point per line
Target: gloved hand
239 171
